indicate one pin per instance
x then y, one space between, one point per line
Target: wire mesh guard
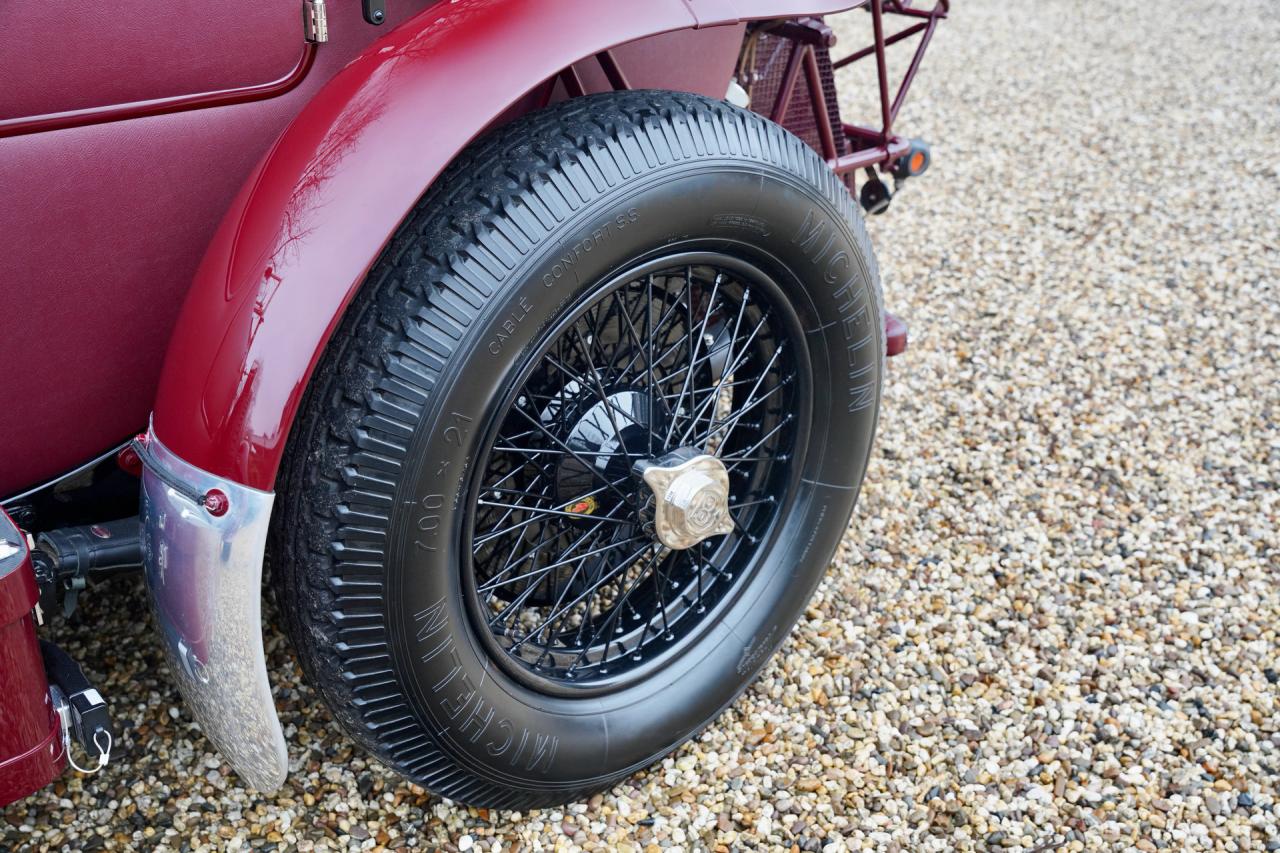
787 70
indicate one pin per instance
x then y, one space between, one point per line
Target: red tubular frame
871 146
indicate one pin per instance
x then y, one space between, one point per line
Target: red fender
312 218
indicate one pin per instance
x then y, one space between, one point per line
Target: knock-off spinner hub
691 497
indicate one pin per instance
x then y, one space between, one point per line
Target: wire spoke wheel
582 448
568 579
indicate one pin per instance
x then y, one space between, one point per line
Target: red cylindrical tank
31 750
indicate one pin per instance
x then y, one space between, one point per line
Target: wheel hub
605 436
691 497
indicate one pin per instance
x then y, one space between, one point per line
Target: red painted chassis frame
869 146
881 147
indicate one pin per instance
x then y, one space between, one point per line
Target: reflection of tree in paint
307 195
394 65
367 105
306 198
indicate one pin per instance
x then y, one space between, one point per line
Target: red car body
193 193
120 159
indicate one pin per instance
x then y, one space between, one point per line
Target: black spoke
696 346
542 511
478 541
730 422
567 575
542 570
715 394
572 453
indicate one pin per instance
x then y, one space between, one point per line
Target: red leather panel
101 230
74 54
30 748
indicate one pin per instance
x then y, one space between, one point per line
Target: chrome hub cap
691 497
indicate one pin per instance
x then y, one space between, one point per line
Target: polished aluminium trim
204 573
315 21
161 106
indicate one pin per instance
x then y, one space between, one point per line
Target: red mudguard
315 214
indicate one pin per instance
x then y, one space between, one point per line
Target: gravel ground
1054 621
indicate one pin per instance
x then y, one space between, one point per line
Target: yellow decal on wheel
586 506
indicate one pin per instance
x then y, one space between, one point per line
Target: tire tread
498 201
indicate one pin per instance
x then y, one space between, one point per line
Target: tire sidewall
500 729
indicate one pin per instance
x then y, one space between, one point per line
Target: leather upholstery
74 54
101 230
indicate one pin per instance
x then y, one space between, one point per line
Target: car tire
538 255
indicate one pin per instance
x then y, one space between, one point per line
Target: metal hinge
315 21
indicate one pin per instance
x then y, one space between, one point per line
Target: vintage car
533 347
